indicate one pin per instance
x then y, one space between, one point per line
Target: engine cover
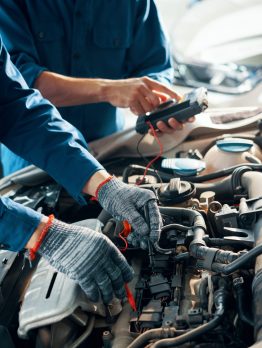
52 296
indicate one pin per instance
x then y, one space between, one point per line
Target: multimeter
190 105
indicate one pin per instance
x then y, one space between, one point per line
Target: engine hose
179 227
257 306
222 189
194 218
223 172
228 187
120 330
251 181
239 262
85 335
219 242
202 292
165 229
236 178
220 298
189 336
153 334
242 307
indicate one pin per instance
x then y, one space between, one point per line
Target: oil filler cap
176 191
184 166
234 144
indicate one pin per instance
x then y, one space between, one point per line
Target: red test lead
130 298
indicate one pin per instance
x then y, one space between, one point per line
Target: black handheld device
190 105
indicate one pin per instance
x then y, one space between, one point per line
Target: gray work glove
89 258
125 202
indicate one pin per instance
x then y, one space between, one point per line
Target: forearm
69 91
92 184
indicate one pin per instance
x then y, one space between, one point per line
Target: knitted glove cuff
108 187
53 237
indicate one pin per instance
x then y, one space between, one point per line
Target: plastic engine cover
52 296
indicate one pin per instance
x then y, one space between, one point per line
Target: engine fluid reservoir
229 152
184 166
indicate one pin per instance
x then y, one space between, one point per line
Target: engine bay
199 286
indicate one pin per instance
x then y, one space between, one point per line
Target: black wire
137 148
146 159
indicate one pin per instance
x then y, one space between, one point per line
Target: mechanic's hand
171 126
125 202
89 258
140 94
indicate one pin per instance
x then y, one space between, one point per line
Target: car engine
199 286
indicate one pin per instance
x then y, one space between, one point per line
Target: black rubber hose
236 179
243 312
193 217
251 182
222 189
220 297
179 227
182 257
225 189
223 172
168 250
189 336
120 330
152 334
257 305
195 221
238 263
202 292
220 242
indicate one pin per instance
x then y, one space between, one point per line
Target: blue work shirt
85 38
33 128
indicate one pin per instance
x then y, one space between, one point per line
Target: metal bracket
249 210
239 235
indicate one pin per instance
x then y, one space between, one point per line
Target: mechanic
84 255
85 52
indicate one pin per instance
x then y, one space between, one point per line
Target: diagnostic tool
190 105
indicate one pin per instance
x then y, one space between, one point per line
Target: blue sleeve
17 224
33 129
18 39
149 54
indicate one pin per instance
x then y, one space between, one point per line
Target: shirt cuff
17 224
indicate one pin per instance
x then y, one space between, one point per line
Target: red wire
159 154
145 172
129 294
124 240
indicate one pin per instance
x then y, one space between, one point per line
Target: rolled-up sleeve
33 128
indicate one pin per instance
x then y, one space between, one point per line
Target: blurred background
217 44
